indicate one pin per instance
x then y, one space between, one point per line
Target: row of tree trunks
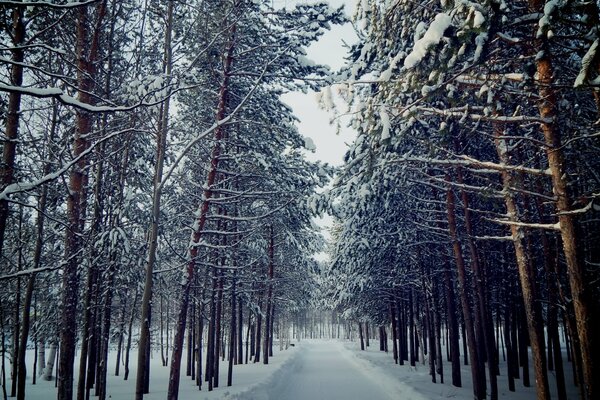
202 215
483 318
474 359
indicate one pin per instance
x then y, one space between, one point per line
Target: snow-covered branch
554 227
19 187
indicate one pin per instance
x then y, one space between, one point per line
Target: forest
156 200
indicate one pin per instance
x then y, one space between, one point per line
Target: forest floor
311 370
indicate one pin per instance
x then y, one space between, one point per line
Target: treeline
151 180
469 204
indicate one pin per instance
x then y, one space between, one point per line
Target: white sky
315 122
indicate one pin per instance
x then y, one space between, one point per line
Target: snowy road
322 370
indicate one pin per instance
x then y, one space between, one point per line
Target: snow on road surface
320 370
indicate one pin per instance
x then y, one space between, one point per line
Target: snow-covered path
324 370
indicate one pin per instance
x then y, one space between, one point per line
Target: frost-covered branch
554 227
19 187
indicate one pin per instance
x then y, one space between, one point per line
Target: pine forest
167 229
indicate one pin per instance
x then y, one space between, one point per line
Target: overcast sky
314 122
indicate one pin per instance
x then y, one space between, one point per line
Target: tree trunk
218 335
143 372
232 335
392 307
257 337
50 362
510 356
3 359
526 275
411 330
16 333
22 366
582 293
271 252
452 322
87 52
11 133
483 316
240 327
129 334
41 357
120 336
464 296
360 334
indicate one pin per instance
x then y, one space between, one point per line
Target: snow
544 23
309 144
314 369
480 41
478 19
434 34
322 369
247 378
586 63
385 123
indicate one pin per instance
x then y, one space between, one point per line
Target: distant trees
474 166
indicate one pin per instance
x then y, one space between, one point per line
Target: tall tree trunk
120 336
240 327
258 335
13 111
360 335
582 293
22 366
476 369
411 330
452 322
392 308
89 313
129 334
526 275
232 334
271 252
510 354
3 359
143 373
218 333
17 318
50 362
87 52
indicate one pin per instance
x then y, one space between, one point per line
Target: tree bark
87 48
582 294
11 132
452 323
464 296
143 373
232 334
392 308
483 315
271 252
526 276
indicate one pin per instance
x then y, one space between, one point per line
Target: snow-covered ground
313 370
